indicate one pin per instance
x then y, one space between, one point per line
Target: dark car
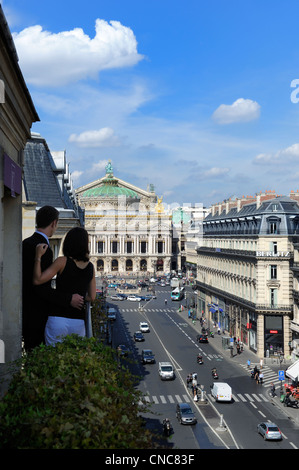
202 338
138 336
122 350
184 414
143 284
147 356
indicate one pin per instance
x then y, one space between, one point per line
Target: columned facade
128 230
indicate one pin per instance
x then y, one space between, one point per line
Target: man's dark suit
38 301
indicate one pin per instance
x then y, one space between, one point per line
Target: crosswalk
270 376
174 399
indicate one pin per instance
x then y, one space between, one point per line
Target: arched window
143 265
114 265
100 265
129 265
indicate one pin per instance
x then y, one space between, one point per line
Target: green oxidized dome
109 187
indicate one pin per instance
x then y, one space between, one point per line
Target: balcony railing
277 307
88 323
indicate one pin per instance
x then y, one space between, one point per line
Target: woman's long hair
75 244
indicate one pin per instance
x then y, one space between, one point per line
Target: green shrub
72 396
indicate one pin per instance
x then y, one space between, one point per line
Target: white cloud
215 172
104 137
242 110
280 157
50 59
76 175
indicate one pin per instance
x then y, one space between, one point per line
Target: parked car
122 350
147 356
124 296
134 298
185 414
202 338
143 284
138 336
269 431
116 297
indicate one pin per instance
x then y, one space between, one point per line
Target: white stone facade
128 232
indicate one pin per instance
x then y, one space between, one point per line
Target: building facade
129 231
17 113
245 270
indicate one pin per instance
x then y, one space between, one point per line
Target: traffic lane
264 410
185 437
204 376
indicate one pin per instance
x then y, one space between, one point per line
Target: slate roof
41 184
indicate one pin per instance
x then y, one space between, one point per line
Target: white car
143 326
134 298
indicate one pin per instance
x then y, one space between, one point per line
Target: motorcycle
211 334
288 402
215 373
199 360
166 427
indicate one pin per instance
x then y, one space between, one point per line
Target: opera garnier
129 231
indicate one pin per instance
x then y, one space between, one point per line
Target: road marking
241 396
248 396
163 400
155 399
186 398
261 414
170 398
256 397
178 398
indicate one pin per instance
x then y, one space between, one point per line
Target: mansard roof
253 219
41 184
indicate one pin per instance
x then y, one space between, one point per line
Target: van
221 391
166 371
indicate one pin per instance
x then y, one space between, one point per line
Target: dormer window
273 225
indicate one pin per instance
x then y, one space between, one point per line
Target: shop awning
293 371
213 310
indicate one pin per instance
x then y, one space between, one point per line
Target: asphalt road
220 425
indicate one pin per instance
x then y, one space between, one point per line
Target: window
129 247
100 247
273 225
160 247
114 247
273 297
273 271
143 247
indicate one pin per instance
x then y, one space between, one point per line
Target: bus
177 293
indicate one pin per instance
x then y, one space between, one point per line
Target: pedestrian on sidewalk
248 364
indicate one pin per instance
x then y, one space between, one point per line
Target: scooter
166 427
288 402
199 360
215 373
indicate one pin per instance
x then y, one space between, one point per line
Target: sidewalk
242 358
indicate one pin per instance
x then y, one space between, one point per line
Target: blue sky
197 97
